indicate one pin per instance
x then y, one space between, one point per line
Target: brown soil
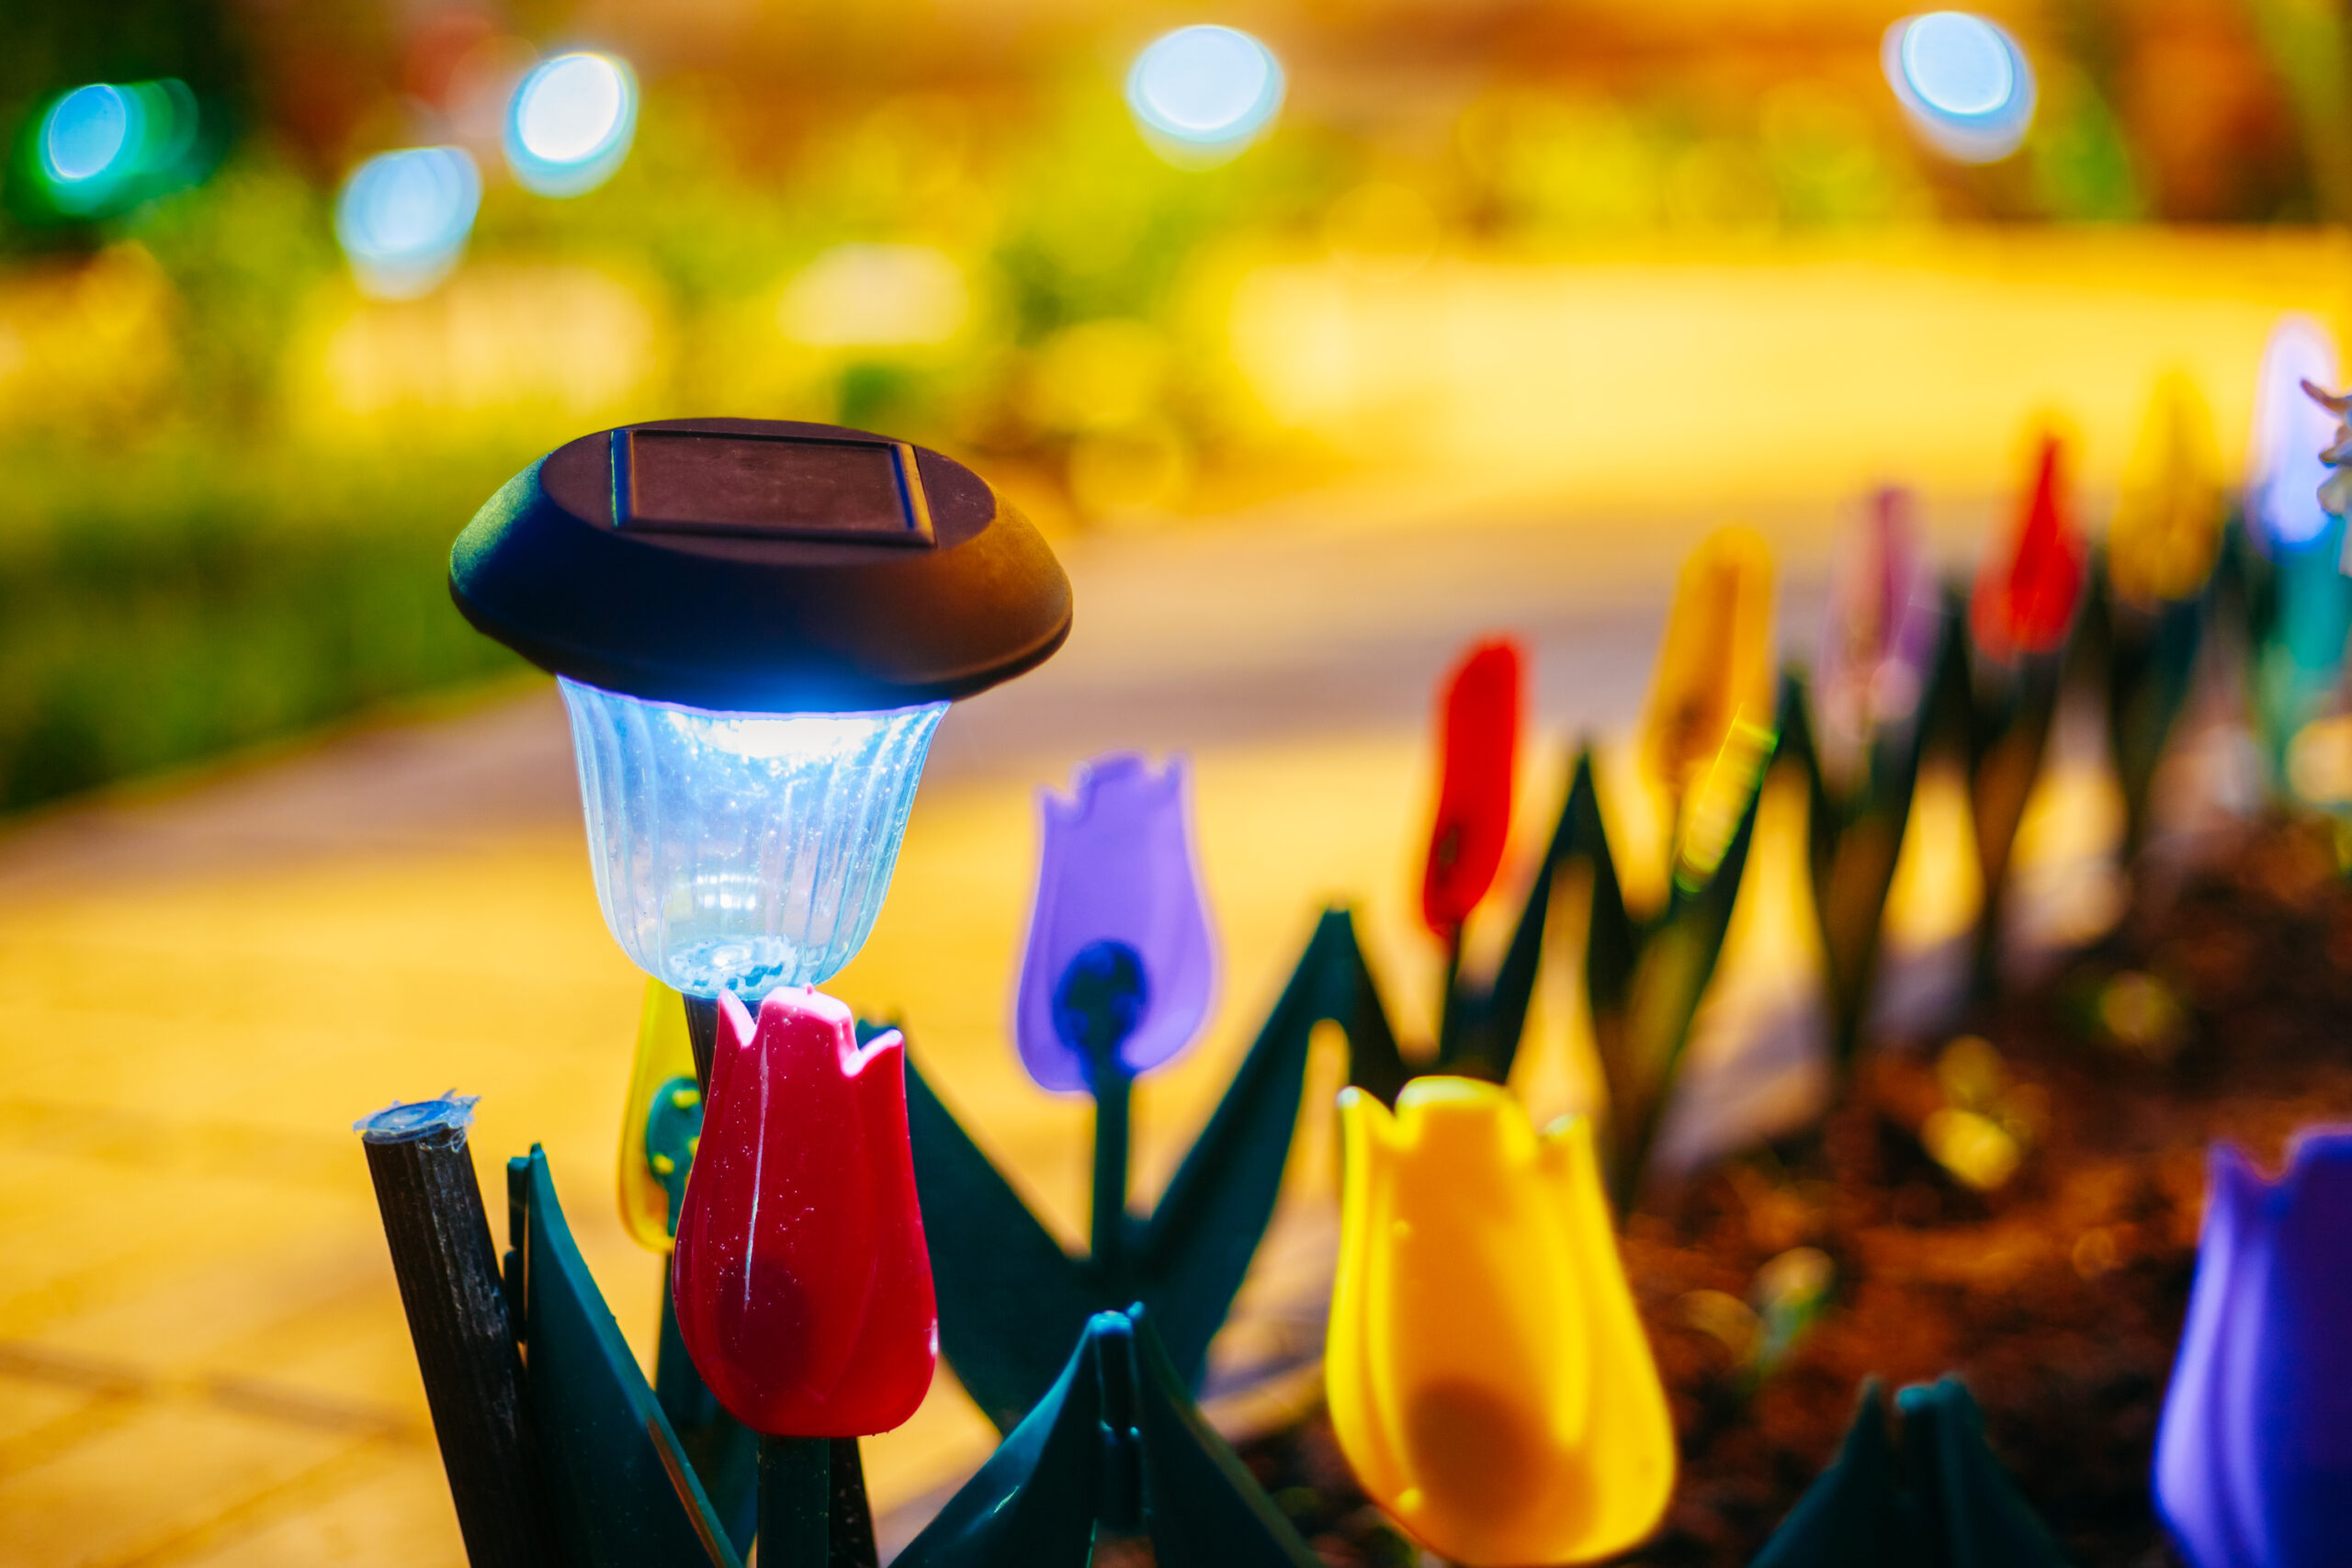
2058 1297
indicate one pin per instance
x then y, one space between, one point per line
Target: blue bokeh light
1210 89
571 123
107 146
403 218
86 134
1964 82
2283 468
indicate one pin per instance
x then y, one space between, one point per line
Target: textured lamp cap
760 566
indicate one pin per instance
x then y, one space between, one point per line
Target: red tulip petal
802 1283
2024 604
1479 720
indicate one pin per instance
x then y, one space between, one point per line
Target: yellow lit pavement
202 1356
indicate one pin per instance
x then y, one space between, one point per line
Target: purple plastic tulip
1879 630
1119 957
2253 1454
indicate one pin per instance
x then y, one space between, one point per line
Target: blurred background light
1204 89
2283 470
87 132
869 296
403 218
1964 82
104 147
572 122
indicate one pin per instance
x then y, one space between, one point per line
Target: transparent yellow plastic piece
1715 662
1489 1381
2166 533
664 1054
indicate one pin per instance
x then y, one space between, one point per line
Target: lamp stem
796 1502
702 1033
1110 1083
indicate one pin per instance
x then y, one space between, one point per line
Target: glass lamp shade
742 852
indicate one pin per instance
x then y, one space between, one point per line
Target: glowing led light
571 123
2284 471
403 218
1206 88
738 850
85 133
1964 82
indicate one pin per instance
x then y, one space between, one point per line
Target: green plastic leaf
1011 1301
1484 1028
1350 999
1197 1247
725 1453
2151 666
1937 1497
1850 1517
624 1492
1612 940
1114 1450
1854 841
1643 1030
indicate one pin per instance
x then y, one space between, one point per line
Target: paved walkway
202 1356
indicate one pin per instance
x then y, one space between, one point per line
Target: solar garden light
756 626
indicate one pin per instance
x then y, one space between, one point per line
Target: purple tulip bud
1879 630
1119 962
2253 1454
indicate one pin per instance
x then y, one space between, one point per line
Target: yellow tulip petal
1716 659
664 1052
1487 1376
2167 526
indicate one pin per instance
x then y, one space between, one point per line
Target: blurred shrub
184 609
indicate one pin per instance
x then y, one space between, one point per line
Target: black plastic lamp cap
760 566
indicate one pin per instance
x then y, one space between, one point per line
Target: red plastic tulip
802 1283
1480 741
2023 603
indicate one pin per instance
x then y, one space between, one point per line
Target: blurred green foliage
161 612
236 482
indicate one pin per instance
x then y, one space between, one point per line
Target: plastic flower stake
1879 642
1879 635
2161 551
1931 1492
2019 616
2302 638
1479 721
661 1129
1489 1381
1716 665
2025 600
1119 967
2254 1453
802 1284
1117 872
660 1122
2167 526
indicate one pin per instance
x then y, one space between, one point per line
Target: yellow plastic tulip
1489 1380
1714 667
664 1054
2167 526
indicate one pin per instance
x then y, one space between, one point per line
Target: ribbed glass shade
743 851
